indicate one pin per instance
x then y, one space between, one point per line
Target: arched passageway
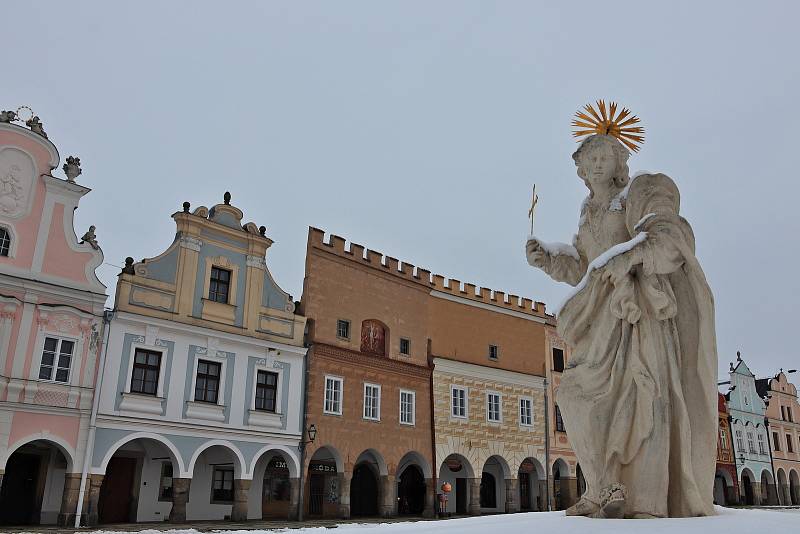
139 484
37 486
769 494
748 490
364 493
724 488
275 491
562 494
323 492
495 480
794 487
464 496
531 486
411 491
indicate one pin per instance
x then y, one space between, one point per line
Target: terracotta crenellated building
413 382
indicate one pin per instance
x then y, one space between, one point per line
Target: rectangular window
165 483
266 391
761 448
739 442
146 365
333 395
459 402
526 412
219 285
56 359
372 402
789 444
222 485
493 352
343 329
493 407
776 442
405 346
750 443
558 360
407 407
723 439
559 420
206 387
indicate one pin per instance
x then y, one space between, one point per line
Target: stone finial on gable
227 198
36 126
72 168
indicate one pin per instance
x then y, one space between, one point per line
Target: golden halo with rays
604 122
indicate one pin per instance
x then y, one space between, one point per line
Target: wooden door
116 493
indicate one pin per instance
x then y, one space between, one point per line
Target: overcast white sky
418 128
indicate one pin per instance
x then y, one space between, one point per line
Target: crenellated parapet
339 247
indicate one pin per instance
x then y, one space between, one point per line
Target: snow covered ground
729 521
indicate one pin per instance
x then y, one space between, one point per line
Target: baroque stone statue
638 396
91 238
72 168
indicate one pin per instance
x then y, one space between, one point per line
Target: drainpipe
434 466
300 498
547 445
107 316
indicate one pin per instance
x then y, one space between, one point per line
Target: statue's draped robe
639 394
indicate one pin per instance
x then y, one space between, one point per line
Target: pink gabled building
51 318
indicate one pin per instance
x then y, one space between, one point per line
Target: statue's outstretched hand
537 256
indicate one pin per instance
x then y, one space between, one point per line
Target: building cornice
493 374
185 328
128 423
330 352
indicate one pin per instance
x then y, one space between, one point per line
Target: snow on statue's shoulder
598 263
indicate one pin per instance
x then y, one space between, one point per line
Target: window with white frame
206 387
372 402
407 407
458 403
222 484
146 371
333 395
493 407
526 411
5 242
266 391
343 329
750 443
56 359
761 448
165 482
739 442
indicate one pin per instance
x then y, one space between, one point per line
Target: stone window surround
267 366
162 365
136 402
378 407
338 379
38 352
208 410
499 407
465 389
529 399
413 407
12 236
221 262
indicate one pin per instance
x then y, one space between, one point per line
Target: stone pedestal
69 499
294 499
344 495
388 499
180 496
512 495
93 499
430 499
241 493
474 507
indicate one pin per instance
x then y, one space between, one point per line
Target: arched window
5 242
373 337
559 420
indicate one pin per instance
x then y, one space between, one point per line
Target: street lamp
311 432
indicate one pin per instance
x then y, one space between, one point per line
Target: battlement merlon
435 282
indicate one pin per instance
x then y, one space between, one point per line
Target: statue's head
602 162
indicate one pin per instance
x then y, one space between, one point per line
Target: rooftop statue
639 395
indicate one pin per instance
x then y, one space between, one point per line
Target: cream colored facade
483 447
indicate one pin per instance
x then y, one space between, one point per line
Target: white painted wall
199 506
